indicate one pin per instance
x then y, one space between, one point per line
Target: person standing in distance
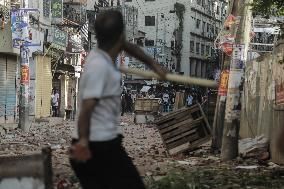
55 103
97 155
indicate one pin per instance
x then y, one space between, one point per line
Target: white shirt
189 100
55 98
166 98
101 80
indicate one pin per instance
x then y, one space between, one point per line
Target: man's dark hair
109 27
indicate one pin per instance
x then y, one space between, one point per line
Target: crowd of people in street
166 96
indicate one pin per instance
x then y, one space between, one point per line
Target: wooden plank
185 134
181 127
189 138
173 127
171 115
174 121
180 148
187 146
205 119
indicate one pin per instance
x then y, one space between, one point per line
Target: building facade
189 28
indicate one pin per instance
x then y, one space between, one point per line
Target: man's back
101 80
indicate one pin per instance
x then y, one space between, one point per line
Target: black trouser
55 111
109 168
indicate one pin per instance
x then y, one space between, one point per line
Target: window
202 49
197 48
149 20
208 27
218 10
149 42
173 45
207 50
203 26
192 46
197 23
128 0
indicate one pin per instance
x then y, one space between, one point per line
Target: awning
148 82
145 88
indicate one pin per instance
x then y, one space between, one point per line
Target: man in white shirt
166 99
55 103
97 155
189 100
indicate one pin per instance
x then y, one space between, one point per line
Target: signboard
279 93
57 10
25 73
74 44
60 37
223 86
228 34
154 51
46 8
19 27
238 57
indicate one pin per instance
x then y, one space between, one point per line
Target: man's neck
113 53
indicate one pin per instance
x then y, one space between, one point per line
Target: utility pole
235 84
24 74
218 124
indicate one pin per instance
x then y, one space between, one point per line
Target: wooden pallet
184 129
146 105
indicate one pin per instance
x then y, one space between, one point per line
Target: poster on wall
238 57
46 8
25 71
57 11
226 38
224 80
19 27
279 93
74 44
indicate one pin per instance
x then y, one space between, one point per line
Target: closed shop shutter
43 86
2 88
8 104
11 89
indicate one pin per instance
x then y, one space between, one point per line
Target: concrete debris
142 142
247 167
2 132
253 147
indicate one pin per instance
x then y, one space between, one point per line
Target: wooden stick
171 77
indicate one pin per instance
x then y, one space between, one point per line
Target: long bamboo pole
171 77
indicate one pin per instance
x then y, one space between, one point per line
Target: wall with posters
263 99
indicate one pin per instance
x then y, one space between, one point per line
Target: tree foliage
268 7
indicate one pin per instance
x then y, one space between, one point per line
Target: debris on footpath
191 169
253 147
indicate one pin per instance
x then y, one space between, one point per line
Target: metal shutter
11 89
2 88
8 89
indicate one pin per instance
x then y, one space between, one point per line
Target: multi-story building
265 34
187 27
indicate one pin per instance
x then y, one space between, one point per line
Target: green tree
268 7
